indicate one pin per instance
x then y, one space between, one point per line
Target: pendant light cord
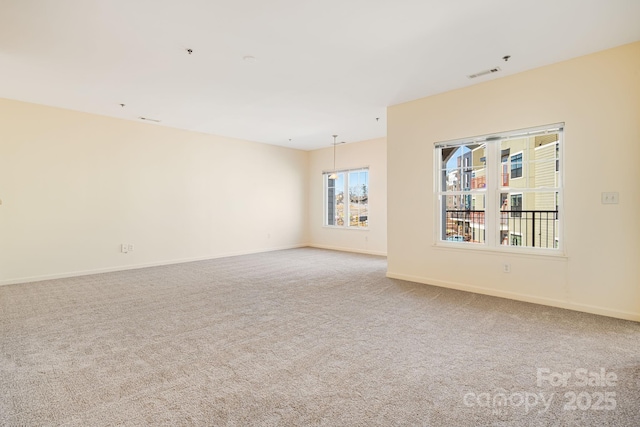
334 152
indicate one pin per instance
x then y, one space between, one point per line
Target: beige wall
372 153
75 186
598 98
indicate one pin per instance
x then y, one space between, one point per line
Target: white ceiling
322 66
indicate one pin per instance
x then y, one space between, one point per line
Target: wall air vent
484 73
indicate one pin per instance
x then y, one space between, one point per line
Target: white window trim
493 171
325 196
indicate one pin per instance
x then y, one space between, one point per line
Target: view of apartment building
528 183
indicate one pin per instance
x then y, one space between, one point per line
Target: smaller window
516 205
516 165
346 195
516 239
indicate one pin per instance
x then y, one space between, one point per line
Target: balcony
528 228
481 181
466 223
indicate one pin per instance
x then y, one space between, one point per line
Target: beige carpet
303 337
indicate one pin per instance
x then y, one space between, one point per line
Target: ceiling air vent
484 73
149 120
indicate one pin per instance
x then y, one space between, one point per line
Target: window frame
347 215
494 187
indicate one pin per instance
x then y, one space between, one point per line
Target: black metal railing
536 229
465 225
531 228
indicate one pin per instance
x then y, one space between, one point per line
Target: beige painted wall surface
598 98
372 153
75 186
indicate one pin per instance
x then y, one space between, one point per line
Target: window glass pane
479 165
339 200
334 184
513 157
359 198
531 217
530 162
451 180
543 174
463 167
544 162
463 218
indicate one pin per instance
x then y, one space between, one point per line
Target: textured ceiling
321 67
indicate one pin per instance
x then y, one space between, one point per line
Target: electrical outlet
124 248
130 248
610 198
506 267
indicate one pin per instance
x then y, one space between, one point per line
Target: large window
346 196
501 190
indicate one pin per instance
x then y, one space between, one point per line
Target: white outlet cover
610 198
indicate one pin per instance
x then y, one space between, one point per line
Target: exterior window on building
501 190
346 196
516 205
516 166
516 240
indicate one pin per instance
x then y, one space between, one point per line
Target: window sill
509 251
338 227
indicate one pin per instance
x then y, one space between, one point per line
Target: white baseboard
341 249
603 311
65 275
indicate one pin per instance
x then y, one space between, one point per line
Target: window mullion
346 201
439 216
492 197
